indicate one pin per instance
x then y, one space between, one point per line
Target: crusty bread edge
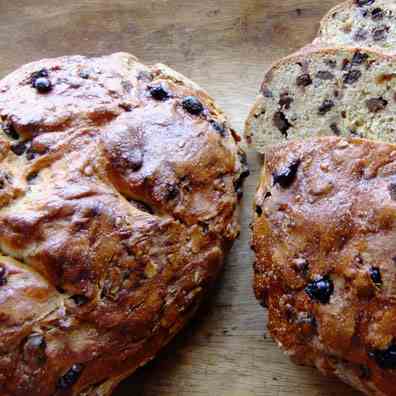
328 16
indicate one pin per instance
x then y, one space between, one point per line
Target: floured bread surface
324 235
331 91
361 23
119 186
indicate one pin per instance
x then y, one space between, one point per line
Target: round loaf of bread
119 187
324 236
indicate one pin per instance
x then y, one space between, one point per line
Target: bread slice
327 91
363 23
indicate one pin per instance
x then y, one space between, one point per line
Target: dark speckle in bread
385 358
304 80
287 174
192 105
158 92
70 377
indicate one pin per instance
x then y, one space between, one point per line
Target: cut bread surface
325 91
361 23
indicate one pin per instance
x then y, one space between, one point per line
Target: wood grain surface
225 46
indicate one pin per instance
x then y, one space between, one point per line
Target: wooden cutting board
225 46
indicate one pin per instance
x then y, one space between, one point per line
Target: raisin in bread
324 236
326 91
361 23
119 188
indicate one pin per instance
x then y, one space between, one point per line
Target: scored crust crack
119 188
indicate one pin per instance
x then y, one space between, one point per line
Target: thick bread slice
362 23
327 91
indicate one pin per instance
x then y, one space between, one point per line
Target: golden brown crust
116 205
330 220
359 23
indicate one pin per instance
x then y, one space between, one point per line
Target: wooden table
225 46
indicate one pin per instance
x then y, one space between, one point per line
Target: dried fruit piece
375 276
286 176
392 191
376 104
42 84
218 127
80 299
18 148
386 359
346 64
158 92
352 76
380 33
285 101
31 176
301 265
171 192
9 130
377 14
38 74
332 63
3 275
267 93
245 172
192 105
359 58
304 80
281 122
325 107
320 289
362 3
84 74
259 210
34 349
335 129
71 377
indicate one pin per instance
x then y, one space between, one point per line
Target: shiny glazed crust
332 220
117 206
